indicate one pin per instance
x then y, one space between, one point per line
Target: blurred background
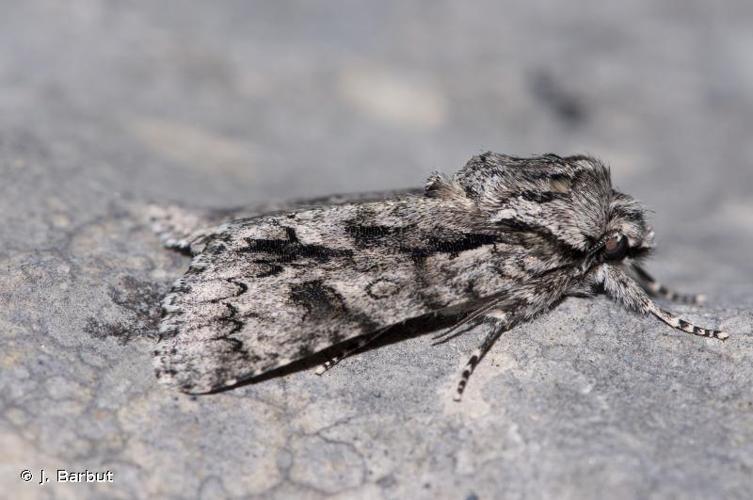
214 104
218 104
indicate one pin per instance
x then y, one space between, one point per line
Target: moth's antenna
656 289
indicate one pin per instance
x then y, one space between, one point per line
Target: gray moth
498 243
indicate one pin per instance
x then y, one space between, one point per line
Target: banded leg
681 324
656 289
499 323
621 287
359 344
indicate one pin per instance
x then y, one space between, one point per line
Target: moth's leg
357 345
333 361
679 323
498 322
619 286
469 322
656 289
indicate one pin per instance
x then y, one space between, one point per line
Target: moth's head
627 233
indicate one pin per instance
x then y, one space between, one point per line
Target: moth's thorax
564 204
565 199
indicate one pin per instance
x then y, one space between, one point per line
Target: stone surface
108 105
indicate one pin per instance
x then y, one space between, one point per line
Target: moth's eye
616 247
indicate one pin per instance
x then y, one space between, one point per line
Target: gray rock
108 106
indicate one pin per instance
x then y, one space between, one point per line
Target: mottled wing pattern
265 291
270 290
185 229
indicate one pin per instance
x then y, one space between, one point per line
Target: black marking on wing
369 235
324 305
291 249
291 234
322 302
466 242
216 248
267 268
365 235
242 287
232 319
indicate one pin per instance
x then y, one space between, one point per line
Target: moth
501 241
